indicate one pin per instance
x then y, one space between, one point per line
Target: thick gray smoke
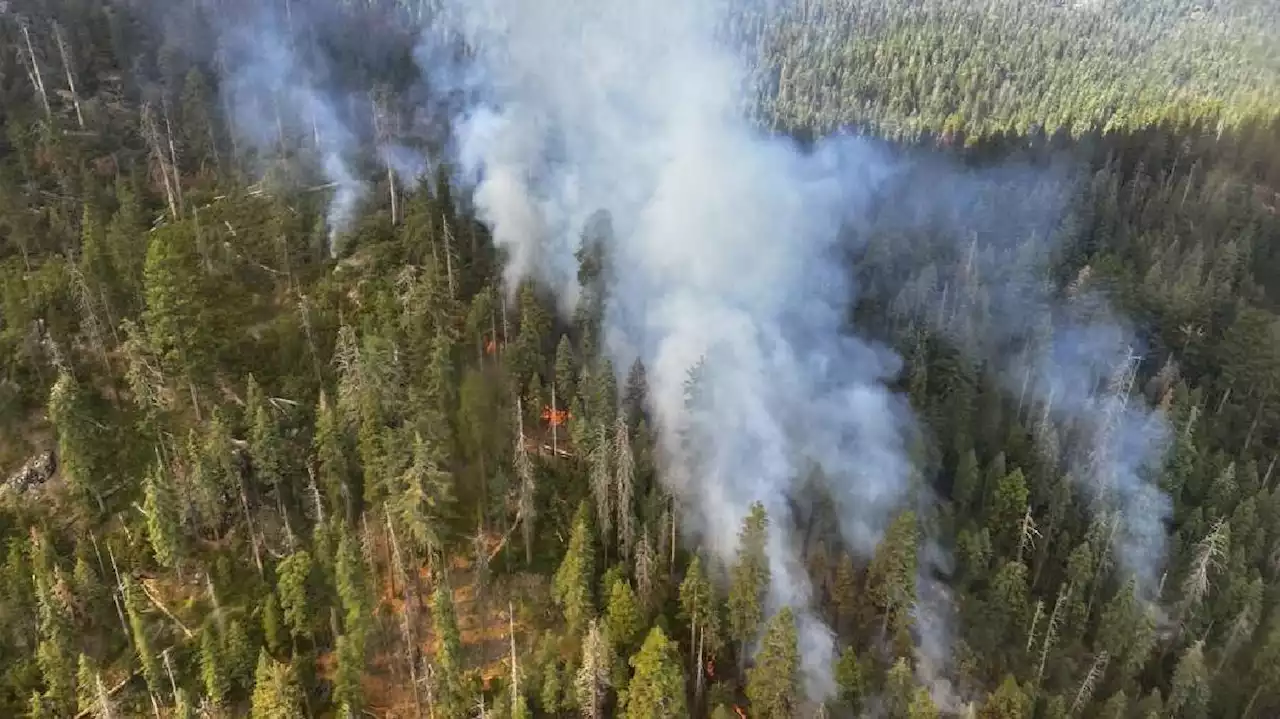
725 250
275 97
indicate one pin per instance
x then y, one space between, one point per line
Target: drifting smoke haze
725 250
1064 354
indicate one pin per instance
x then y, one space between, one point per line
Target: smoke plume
725 252
277 95
730 251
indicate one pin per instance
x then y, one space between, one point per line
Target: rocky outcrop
32 474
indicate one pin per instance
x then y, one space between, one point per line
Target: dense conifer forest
259 462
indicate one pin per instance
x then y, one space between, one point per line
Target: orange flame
556 417
490 347
741 712
711 669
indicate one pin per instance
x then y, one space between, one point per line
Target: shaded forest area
247 477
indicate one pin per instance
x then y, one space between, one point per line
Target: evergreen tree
213 671
573 578
276 694
552 688
622 615
1007 506
849 681
347 690
238 654
448 656
295 585
656 690
163 520
922 706
635 396
427 493
78 437
1266 668
180 318
1007 702
274 629
351 588
1189 693
329 448
899 690
749 578
566 372
891 576
965 488
147 657
773 684
266 445
87 686
54 654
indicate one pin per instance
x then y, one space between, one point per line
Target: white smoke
275 96
725 249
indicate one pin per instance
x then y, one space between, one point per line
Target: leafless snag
1208 558
71 79
1089 684
33 69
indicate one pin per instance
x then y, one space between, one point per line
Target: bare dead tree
1089 684
408 617
1035 622
151 133
526 512
624 479
601 483
448 253
71 78
1051 630
382 137
173 154
594 675
33 69
117 597
515 665
1028 534
1207 558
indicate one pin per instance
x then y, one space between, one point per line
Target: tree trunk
173 157
448 254
253 534
1248 708
71 79
34 71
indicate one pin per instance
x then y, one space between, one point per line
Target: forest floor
483 623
